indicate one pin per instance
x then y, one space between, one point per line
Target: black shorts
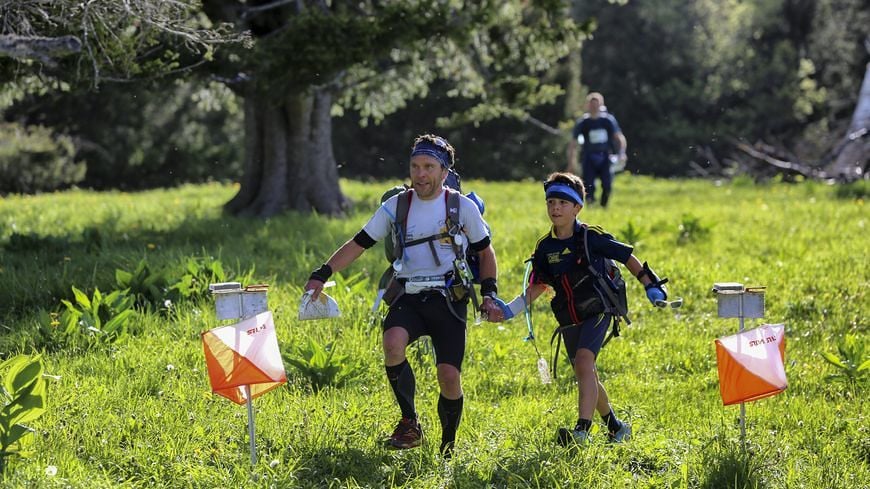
427 313
589 334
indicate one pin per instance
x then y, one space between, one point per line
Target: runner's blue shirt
599 134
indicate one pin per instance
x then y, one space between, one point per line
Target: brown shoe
407 434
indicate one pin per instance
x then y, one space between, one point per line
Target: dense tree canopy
315 59
690 78
288 95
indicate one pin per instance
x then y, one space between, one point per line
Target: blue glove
505 309
655 294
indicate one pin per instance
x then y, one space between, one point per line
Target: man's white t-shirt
427 218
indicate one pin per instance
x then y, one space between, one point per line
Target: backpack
453 181
611 284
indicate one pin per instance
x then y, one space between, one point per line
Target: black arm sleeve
363 239
480 245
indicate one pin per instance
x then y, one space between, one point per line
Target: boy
583 311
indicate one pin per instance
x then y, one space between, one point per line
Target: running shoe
408 434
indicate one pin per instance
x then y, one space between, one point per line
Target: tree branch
782 165
41 48
542 125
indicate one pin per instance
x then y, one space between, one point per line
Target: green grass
139 413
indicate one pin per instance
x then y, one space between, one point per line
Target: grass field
136 410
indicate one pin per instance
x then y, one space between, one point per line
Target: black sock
402 381
613 424
449 412
583 425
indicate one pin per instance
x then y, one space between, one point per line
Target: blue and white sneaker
568 437
621 435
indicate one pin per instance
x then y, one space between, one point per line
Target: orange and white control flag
245 353
751 364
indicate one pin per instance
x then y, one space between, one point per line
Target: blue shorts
589 334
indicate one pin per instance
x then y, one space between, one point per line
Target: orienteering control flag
751 364
245 353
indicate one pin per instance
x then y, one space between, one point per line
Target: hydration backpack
610 283
453 181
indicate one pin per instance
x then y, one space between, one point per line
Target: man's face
427 176
593 106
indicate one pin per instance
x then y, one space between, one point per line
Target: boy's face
562 212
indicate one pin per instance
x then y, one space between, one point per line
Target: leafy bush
197 274
148 288
691 229
97 319
22 400
854 365
322 366
631 234
33 159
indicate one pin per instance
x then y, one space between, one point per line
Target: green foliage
197 273
22 397
494 58
322 366
631 234
853 364
34 159
143 135
119 407
148 287
859 189
696 75
141 38
96 320
691 229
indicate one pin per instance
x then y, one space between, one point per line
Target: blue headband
435 150
562 191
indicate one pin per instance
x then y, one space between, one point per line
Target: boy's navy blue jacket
562 264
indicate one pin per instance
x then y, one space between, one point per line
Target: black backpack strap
557 338
451 201
454 227
403 205
603 283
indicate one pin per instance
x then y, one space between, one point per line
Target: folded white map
324 307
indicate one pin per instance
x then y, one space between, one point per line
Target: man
424 295
601 138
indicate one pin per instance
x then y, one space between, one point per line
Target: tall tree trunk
854 154
574 87
289 163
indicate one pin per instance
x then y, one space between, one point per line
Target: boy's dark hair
440 142
569 179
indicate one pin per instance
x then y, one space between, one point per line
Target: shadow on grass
728 466
328 467
38 271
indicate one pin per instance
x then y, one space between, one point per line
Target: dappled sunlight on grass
140 413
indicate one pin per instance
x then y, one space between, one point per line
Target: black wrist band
323 273
488 287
